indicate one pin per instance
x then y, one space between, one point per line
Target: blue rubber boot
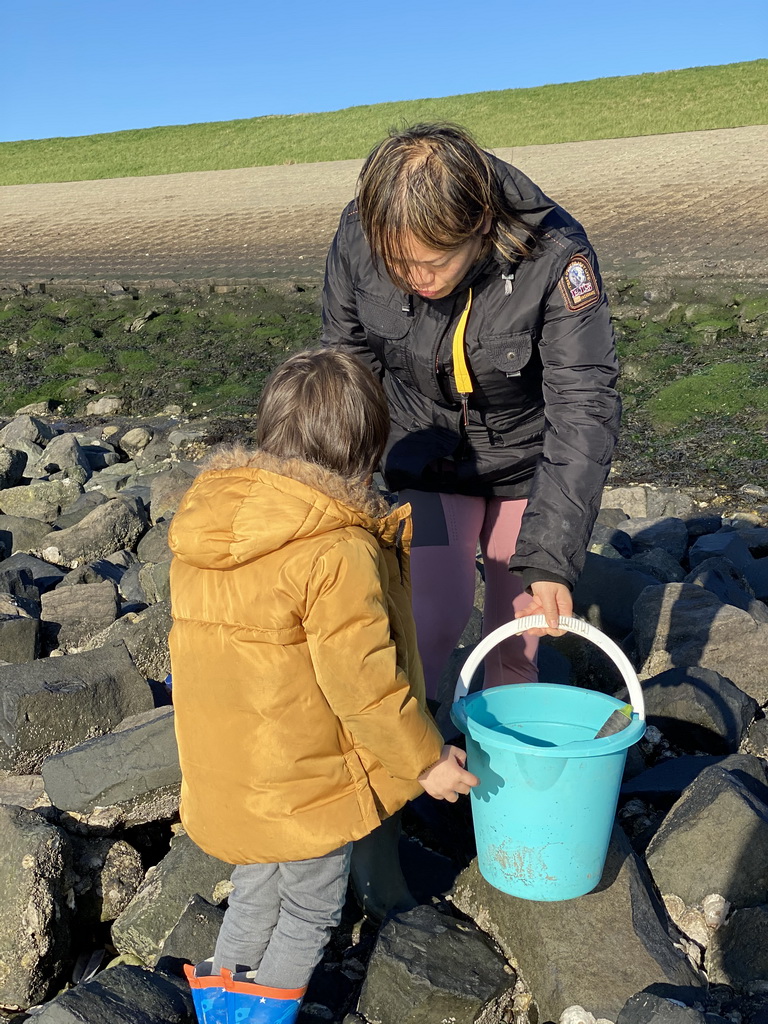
209 992
249 1003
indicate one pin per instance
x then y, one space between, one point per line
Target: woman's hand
447 779
550 600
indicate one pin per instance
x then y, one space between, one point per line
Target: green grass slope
725 96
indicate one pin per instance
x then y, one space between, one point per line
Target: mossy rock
715 328
724 389
754 309
700 312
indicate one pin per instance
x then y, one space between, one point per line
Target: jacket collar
354 494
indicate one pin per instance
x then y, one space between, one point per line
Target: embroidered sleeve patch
578 284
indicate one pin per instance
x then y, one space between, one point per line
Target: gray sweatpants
280 917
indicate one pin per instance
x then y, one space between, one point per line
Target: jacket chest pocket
387 328
387 322
508 352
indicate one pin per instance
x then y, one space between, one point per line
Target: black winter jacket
543 416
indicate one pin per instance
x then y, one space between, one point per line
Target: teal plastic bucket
546 802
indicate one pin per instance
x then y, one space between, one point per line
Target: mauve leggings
446 531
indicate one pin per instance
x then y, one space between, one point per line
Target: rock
606 592
697 709
180 437
145 634
26 428
94 572
131 589
738 952
123 995
17 586
19 635
135 441
139 489
667 534
137 324
153 546
643 502
53 704
112 480
12 463
664 782
154 912
86 503
647 1008
156 453
167 490
620 922
721 577
612 517
64 455
43 499
108 873
21 533
155 581
756 539
729 543
725 543
43 408
659 563
757 738
698 525
24 791
44 575
109 527
666 502
715 838
35 876
32 454
123 560
72 615
193 937
100 453
109 405
85 386
633 501
134 768
679 624
427 967
610 541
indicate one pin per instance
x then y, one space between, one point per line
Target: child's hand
447 778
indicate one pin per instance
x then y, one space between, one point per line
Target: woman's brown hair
324 406
434 183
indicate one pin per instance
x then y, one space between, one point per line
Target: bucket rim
485 735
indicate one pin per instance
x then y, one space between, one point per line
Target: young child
298 691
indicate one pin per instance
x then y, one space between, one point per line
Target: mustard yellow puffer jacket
297 687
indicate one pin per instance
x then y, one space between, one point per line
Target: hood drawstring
508 285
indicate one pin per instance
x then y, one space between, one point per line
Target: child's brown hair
326 407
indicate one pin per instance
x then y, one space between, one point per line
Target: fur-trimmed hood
247 503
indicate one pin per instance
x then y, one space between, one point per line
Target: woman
478 302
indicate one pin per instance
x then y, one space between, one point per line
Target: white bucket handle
569 624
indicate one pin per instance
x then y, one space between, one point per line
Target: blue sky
75 67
